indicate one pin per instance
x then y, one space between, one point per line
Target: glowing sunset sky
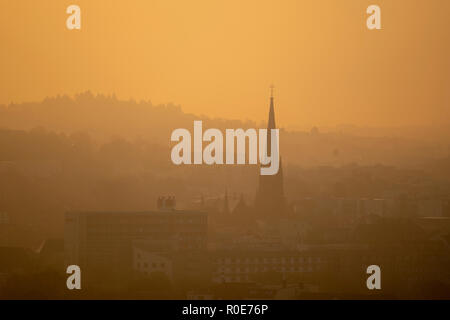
218 58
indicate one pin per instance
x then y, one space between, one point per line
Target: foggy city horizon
402 130
212 157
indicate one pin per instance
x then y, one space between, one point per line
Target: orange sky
218 58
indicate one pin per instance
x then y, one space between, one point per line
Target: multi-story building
146 262
233 266
101 243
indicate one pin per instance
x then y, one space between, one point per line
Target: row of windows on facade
382 259
153 265
310 268
232 279
148 221
108 237
189 245
317 259
150 272
267 260
153 230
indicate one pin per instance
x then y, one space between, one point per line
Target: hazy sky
218 58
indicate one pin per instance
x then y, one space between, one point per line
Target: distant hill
103 117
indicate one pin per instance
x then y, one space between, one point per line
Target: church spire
271 122
269 200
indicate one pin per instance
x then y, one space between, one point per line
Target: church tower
269 200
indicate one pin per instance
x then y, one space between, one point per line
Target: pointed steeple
269 200
271 122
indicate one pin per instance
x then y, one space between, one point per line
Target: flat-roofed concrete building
101 242
232 266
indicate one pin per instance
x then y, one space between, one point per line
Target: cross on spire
271 90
